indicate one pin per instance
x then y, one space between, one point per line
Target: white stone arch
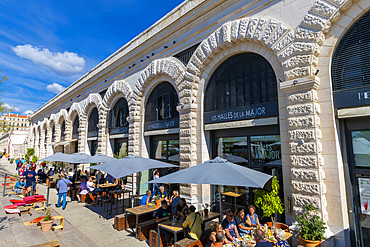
93 100
74 109
169 67
119 87
270 33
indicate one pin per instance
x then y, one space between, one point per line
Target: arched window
351 61
62 131
244 79
76 125
162 103
118 115
45 136
53 133
93 123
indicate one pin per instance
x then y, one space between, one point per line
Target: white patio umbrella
98 158
218 172
129 165
56 157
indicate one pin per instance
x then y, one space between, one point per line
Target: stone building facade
182 53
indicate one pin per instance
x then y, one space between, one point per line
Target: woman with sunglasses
240 220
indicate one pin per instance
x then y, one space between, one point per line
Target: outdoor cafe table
232 194
139 210
176 227
288 235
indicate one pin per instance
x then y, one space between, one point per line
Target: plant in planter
311 227
269 201
47 221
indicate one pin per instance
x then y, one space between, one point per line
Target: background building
12 121
12 144
278 86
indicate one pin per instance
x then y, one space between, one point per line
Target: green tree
269 201
30 152
34 159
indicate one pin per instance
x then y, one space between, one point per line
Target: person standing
62 187
155 185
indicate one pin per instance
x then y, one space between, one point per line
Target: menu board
364 187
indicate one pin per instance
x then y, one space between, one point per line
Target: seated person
175 200
260 239
93 190
70 173
20 186
31 178
82 190
181 209
194 224
229 225
101 179
56 176
162 193
163 213
252 217
219 239
215 228
110 179
146 198
240 220
280 237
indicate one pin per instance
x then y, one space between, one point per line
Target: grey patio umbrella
98 158
129 165
56 157
218 172
77 158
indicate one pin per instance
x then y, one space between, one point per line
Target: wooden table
209 217
174 228
287 236
139 210
232 194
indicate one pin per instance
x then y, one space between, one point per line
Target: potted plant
47 221
11 161
311 227
157 200
269 201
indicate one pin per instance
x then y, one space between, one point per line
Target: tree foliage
269 201
30 152
4 107
310 225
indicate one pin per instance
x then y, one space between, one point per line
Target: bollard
4 185
47 197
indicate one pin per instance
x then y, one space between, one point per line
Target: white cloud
12 108
66 63
28 112
55 88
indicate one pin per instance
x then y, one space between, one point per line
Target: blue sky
45 45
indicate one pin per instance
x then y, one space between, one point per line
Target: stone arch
268 32
117 87
90 101
170 67
75 108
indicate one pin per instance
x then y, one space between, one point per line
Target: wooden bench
53 243
119 221
205 236
187 242
25 210
143 229
61 223
153 239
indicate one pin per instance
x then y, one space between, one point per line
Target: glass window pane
266 150
361 148
159 150
234 149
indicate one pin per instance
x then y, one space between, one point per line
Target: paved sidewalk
83 226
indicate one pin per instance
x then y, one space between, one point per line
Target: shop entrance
257 148
357 141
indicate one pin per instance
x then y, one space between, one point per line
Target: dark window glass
162 103
62 131
120 113
351 60
242 80
45 136
361 148
185 55
93 123
76 125
53 133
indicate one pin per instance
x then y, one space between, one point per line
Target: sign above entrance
162 124
353 97
256 111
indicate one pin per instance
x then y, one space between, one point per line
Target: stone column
306 161
134 135
188 148
102 134
82 135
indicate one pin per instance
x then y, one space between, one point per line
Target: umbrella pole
132 193
220 201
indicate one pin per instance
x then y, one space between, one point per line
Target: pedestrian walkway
83 227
